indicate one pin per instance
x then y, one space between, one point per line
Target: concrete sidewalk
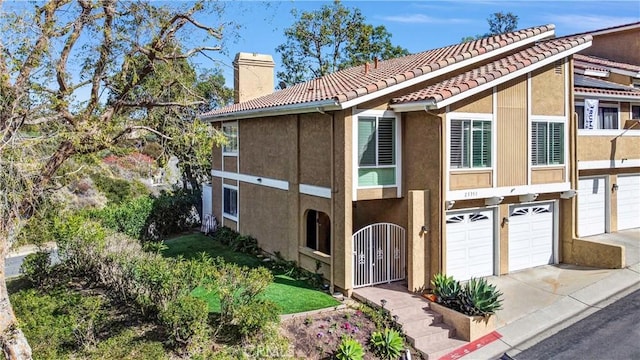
541 301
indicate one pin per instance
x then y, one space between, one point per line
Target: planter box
468 328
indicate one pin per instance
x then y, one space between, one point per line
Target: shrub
387 344
475 298
172 212
480 298
447 290
245 244
185 322
90 320
36 268
349 349
116 190
225 235
241 308
129 217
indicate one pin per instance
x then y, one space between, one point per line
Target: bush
245 244
475 298
387 344
240 306
225 235
349 349
130 217
185 322
117 190
172 212
479 298
36 268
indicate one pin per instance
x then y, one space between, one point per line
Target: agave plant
387 344
479 298
447 290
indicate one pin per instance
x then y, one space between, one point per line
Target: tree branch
149 104
105 50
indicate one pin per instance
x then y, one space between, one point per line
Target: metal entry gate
379 254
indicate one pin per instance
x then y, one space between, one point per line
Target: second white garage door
470 239
628 201
531 235
591 206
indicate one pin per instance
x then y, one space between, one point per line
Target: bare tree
70 75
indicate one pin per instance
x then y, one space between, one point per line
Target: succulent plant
387 344
479 298
447 290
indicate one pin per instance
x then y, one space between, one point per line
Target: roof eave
316 106
414 106
615 97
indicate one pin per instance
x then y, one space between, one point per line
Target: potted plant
470 309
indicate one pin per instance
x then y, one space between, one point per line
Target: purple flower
320 334
355 330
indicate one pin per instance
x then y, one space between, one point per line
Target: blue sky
421 25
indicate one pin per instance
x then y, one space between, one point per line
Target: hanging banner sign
590 113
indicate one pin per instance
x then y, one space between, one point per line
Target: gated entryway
379 254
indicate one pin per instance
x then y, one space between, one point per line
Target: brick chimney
252 76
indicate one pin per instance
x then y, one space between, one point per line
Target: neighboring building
455 160
608 146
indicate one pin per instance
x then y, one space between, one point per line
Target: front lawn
290 294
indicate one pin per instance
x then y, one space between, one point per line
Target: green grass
291 295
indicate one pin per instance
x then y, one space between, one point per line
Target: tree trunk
14 344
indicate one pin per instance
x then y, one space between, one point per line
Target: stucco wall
315 149
608 147
268 147
622 46
547 90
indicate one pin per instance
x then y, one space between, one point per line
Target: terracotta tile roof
594 62
588 85
492 71
352 83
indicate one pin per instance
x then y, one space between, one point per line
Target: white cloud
572 23
423 19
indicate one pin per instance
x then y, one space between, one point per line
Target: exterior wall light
568 194
450 204
614 187
527 197
494 200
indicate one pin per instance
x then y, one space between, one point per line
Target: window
635 112
318 231
470 144
376 151
230 130
607 117
230 202
547 143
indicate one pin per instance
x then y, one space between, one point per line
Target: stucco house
607 104
459 160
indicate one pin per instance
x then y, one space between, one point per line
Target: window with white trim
377 151
547 143
635 112
607 117
230 131
470 144
230 202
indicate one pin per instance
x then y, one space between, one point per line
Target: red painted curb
472 346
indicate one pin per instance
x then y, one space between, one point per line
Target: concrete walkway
537 302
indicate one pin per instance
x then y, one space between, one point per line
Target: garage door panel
628 201
531 234
591 206
470 244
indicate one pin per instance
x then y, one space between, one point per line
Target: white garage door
531 234
628 201
591 206
470 249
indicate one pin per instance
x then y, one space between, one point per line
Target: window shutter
386 141
481 143
556 150
459 143
366 141
538 136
